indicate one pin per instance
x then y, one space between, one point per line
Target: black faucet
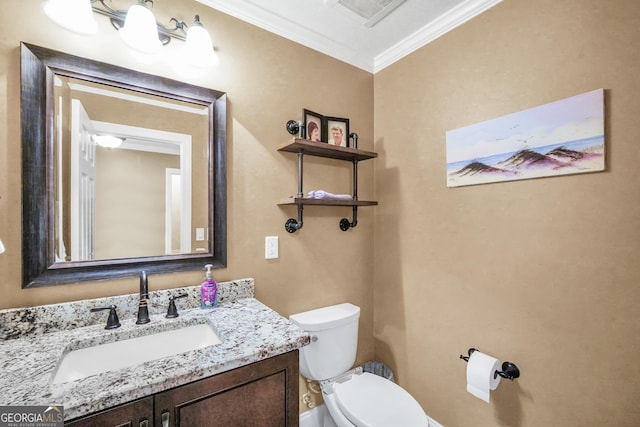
112 321
172 311
143 309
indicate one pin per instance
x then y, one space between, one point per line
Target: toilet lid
368 400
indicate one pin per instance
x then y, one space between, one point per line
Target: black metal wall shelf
322 149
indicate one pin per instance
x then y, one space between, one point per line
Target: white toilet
353 397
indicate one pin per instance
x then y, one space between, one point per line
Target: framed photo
337 131
312 124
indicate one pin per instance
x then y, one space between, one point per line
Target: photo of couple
330 130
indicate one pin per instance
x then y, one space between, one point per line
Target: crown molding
253 13
442 25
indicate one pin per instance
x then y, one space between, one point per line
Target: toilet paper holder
509 370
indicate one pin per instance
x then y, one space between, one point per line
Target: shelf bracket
295 128
292 225
344 222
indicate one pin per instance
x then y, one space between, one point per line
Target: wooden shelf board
322 149
325 202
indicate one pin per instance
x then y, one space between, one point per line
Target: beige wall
269 80
130 202
542 272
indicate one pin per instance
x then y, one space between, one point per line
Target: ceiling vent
372 11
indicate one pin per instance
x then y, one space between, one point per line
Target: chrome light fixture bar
137 27
118 18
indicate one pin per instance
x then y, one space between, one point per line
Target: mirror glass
129 171
124 166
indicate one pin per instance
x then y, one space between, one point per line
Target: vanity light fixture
140 30
107 141
137 26
74 15
198 49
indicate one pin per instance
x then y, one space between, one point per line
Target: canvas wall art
560 138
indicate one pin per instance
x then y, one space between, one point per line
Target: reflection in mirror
122 162
125 163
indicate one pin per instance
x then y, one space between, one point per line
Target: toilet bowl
366 399
353 397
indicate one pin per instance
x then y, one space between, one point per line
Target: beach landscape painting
560 138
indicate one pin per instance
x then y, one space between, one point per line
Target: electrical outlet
271 247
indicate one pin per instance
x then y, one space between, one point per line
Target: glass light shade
140 31
1 247
198 48
74 15
107 141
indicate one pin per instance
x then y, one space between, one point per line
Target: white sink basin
101 358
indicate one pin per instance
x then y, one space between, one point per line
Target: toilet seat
368 400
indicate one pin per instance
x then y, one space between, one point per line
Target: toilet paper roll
480 375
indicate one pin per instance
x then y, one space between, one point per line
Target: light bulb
198 48
107 141
74 15
140 31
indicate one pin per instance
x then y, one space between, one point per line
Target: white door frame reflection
176 235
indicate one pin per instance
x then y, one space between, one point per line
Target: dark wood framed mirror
51 255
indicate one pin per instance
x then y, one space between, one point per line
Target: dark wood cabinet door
134 414
263 394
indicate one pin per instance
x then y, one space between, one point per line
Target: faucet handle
112 320
172 311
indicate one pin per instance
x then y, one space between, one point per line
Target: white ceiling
340 28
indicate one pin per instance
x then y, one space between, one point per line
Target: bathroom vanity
263 393
249 378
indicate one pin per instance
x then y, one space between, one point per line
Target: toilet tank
334 340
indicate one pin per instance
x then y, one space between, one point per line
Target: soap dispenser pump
208 290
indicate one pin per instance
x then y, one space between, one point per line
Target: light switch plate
271 247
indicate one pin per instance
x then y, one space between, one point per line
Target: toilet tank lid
326 317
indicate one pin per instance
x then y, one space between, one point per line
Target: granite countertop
249 332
